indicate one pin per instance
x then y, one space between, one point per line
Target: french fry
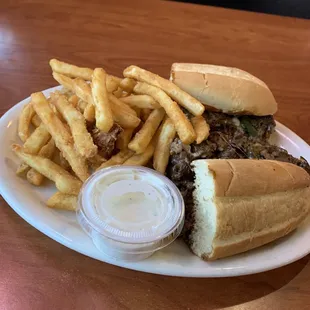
201 127
33 144
37 140
122 114
74 99
118 93
141 101
141 159
24 121
138 111
64 181
128 84
82 139
83 73
124 138
117 159
56 111
145 113
121 105
63 162
176 93
59 159
83 91
143 137
63 201
66 92
81 106
22 169
89 112
103 111
71 70
115 79
60 134
162 150
122 117
64 81
112 83
33 176
96 161
183 126
36 121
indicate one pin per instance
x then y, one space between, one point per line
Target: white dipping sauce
132 203
130 212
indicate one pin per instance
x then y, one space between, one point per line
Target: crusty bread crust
257 220
225 89
250 177
256 202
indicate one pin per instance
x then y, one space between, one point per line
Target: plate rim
51 233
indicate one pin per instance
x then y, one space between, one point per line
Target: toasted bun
241 204
225 89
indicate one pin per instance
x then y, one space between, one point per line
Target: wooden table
38 273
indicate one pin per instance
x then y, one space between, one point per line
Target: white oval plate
175 260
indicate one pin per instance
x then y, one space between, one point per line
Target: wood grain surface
38 273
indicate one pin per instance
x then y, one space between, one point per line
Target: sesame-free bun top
225 89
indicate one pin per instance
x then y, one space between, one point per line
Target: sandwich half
225 89
243 204
239 112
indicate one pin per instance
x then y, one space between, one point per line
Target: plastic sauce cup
130 212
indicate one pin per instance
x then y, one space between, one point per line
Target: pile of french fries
58 146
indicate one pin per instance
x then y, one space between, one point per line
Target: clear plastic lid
130 211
